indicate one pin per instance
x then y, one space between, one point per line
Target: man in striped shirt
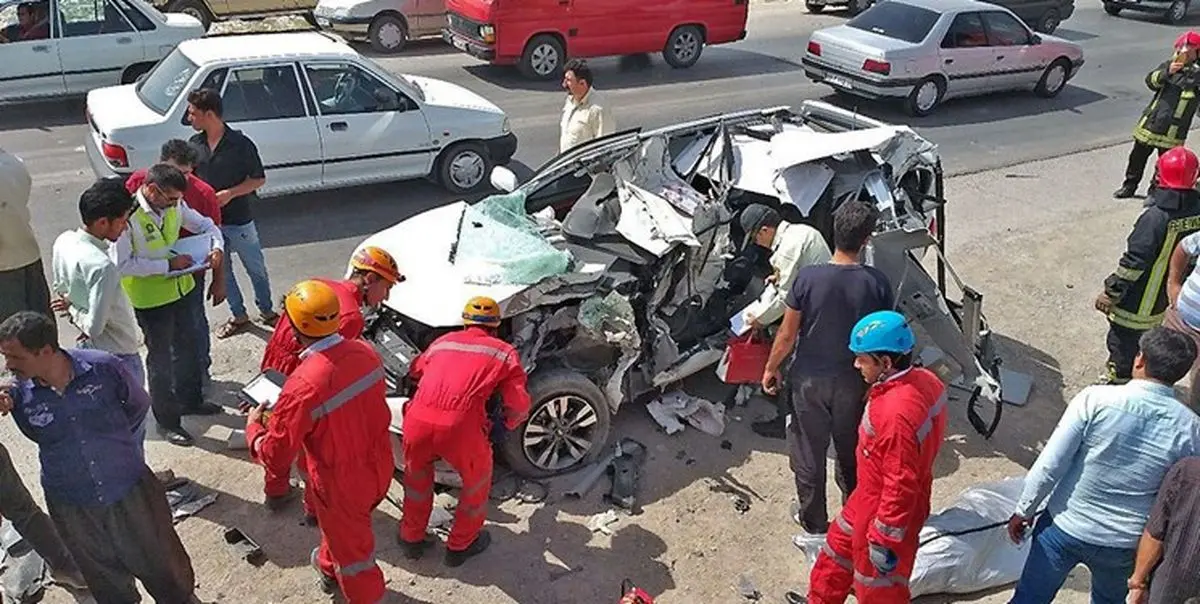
1183 295
1169 553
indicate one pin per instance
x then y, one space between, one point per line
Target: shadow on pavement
1074 35
422 47
973 110
41 115
1022 430
619 73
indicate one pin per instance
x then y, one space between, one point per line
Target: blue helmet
882 331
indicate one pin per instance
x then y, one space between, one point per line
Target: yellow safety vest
155 243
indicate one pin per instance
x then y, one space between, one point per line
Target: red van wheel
543 58
684 46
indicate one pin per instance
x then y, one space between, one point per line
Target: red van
538 35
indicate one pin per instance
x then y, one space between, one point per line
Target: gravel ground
1038 248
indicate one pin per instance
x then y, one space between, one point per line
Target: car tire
135 71
1112 9
544 58
1049 21
857 6
684 46
814 8
1050 84
388 34
464 168
919 103
1176 13
195 8
579 401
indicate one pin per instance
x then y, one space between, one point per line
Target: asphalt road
312 233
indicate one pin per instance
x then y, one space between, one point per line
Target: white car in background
91 43
322 115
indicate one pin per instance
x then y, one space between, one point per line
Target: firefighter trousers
468 451
1123 344
844 565
343 506
1135 168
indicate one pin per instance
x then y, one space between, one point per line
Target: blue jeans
1054 553
203 334
242 240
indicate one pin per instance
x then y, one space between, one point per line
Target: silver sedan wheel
1055 78
1178 11
686 46
927 96
467 169
391 35
558 434
543 59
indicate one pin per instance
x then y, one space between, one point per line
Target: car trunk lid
847 47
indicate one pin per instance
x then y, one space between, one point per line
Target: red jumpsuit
283 355
333 407
447 419
898 440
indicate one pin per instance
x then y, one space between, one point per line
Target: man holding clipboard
158 280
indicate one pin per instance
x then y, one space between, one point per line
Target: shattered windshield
498 243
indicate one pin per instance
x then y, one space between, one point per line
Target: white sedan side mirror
503 179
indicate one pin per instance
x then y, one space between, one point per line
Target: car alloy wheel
927 95
1177 12
686 45
544 59
467 169
1055 78
559 433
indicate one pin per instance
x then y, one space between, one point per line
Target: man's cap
755 217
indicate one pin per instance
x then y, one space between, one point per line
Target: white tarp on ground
960 564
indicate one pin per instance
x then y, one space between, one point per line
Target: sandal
232 327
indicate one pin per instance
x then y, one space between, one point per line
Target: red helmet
1178 169
1190 40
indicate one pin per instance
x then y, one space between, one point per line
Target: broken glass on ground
499 243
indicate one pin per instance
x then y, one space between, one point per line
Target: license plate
322 22
839 82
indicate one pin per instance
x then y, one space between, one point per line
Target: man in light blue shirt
1183 297
1104 464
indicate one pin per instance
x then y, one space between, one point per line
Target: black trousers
1123 346
1136 166
172 358
132 538
29 520
824 408
24 289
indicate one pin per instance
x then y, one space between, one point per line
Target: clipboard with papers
196 246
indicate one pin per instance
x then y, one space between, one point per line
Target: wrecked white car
607 263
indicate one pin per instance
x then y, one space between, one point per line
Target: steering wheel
343 89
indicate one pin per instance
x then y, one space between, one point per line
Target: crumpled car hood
434 290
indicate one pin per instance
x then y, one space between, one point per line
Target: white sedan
321 115
73 46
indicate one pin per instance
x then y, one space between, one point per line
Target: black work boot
279 502
477 547
1125 192
327 583
774 428
414 551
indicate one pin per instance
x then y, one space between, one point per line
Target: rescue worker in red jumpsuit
373 272
872 545
332 406
447 419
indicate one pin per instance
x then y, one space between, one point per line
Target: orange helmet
313 308
481 310
1178 169
376 260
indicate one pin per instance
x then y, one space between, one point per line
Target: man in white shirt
584 115
795 246
162 291
22 280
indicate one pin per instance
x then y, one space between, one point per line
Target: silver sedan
926 51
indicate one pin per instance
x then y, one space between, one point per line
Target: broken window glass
499 243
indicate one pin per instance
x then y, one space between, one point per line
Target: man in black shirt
828 394
229 162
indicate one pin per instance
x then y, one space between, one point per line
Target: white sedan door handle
41 48
125 40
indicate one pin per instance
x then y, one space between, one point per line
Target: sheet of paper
738 324
196 246
195 268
